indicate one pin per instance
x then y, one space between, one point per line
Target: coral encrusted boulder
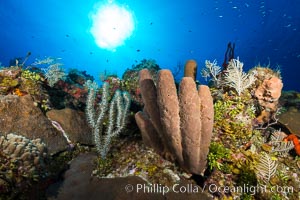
73 123
19 115
268 94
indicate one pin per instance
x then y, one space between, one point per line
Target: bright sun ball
111 26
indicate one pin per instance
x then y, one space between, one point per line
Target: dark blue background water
167 31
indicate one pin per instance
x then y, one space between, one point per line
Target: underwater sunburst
112 24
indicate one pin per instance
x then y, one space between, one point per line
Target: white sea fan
54 73
279 145
236 78
46 61
266 167
211 70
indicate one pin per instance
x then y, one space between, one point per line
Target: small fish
67 35
234 7
220 16
287 26
91 53
247 5
138 50
151 23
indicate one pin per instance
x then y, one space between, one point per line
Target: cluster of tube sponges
177 125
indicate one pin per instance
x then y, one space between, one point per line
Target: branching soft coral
236 78
211 70
54 73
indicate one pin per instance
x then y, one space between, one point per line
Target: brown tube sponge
190 69
167 101
189 102
180 124
207 121
150 136
149 96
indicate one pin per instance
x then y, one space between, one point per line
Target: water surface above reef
170 32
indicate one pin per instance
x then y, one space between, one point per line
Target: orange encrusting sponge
293 137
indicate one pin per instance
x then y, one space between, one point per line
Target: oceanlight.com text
211 188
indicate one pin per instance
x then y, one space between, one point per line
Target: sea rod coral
118 111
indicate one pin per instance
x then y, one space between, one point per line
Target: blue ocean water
171 32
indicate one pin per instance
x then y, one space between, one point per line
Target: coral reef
130 80
64 93
22 161
246 124
126 169
138 160
9 79
240 132
233 119
78 77
182 122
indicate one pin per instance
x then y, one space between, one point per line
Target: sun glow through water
112 24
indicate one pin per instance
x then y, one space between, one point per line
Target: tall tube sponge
177 126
